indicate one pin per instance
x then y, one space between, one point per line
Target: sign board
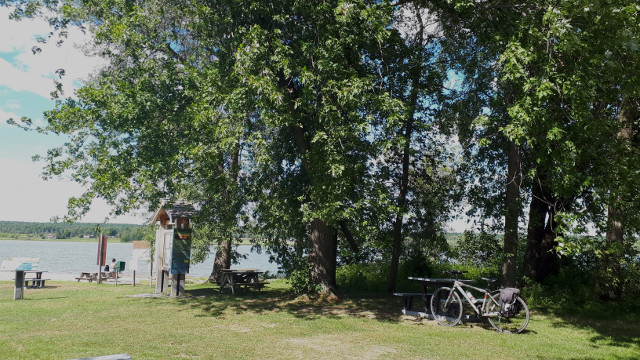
181 252
20 263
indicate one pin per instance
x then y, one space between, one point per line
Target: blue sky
26 80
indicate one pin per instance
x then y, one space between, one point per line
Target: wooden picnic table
21 281
233 278
426 284
36 281
91 276
22 266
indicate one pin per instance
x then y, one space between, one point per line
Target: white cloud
23 194
18 80
4 116
16 34
29 198
15 105
12 104
406 23
35 72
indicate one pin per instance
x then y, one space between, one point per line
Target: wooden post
175 280
165 280
102 254
177 285
19 285
134 278
162 281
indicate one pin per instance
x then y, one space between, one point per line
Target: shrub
300 278
370 277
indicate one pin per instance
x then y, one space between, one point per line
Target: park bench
255 285
93 276
407 298
36 282
241 278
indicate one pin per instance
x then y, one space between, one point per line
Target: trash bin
120 266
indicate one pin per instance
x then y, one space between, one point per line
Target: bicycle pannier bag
509 305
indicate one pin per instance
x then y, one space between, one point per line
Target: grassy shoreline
76 320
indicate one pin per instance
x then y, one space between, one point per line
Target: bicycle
447 306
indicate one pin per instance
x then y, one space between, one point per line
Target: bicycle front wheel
446 314
514 324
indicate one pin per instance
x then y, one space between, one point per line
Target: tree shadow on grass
214 303
211 302
614 330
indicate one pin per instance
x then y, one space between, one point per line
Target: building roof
173 210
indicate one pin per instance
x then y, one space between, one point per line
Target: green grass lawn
73 320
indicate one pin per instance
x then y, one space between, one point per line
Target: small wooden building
173 245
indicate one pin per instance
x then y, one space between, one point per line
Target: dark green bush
369 277
576 291
300 278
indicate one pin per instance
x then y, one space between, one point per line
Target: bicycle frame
483 309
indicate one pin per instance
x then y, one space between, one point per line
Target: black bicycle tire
497 321
455 308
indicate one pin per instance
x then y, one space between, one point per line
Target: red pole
102 255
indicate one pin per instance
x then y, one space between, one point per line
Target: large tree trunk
535 233
222 260
395 253
223 253
548 262
322 237
615 214
614 237
402 201
322 256
512 214
540 258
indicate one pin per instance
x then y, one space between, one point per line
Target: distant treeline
126 232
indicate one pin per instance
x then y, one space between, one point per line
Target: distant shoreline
110 240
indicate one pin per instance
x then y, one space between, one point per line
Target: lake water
75 257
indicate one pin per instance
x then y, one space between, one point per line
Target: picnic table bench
241 278
36 281
93 276
425 284
407 298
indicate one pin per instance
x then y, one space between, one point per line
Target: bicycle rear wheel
446 315
515 324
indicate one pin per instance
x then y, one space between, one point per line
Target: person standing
112 268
